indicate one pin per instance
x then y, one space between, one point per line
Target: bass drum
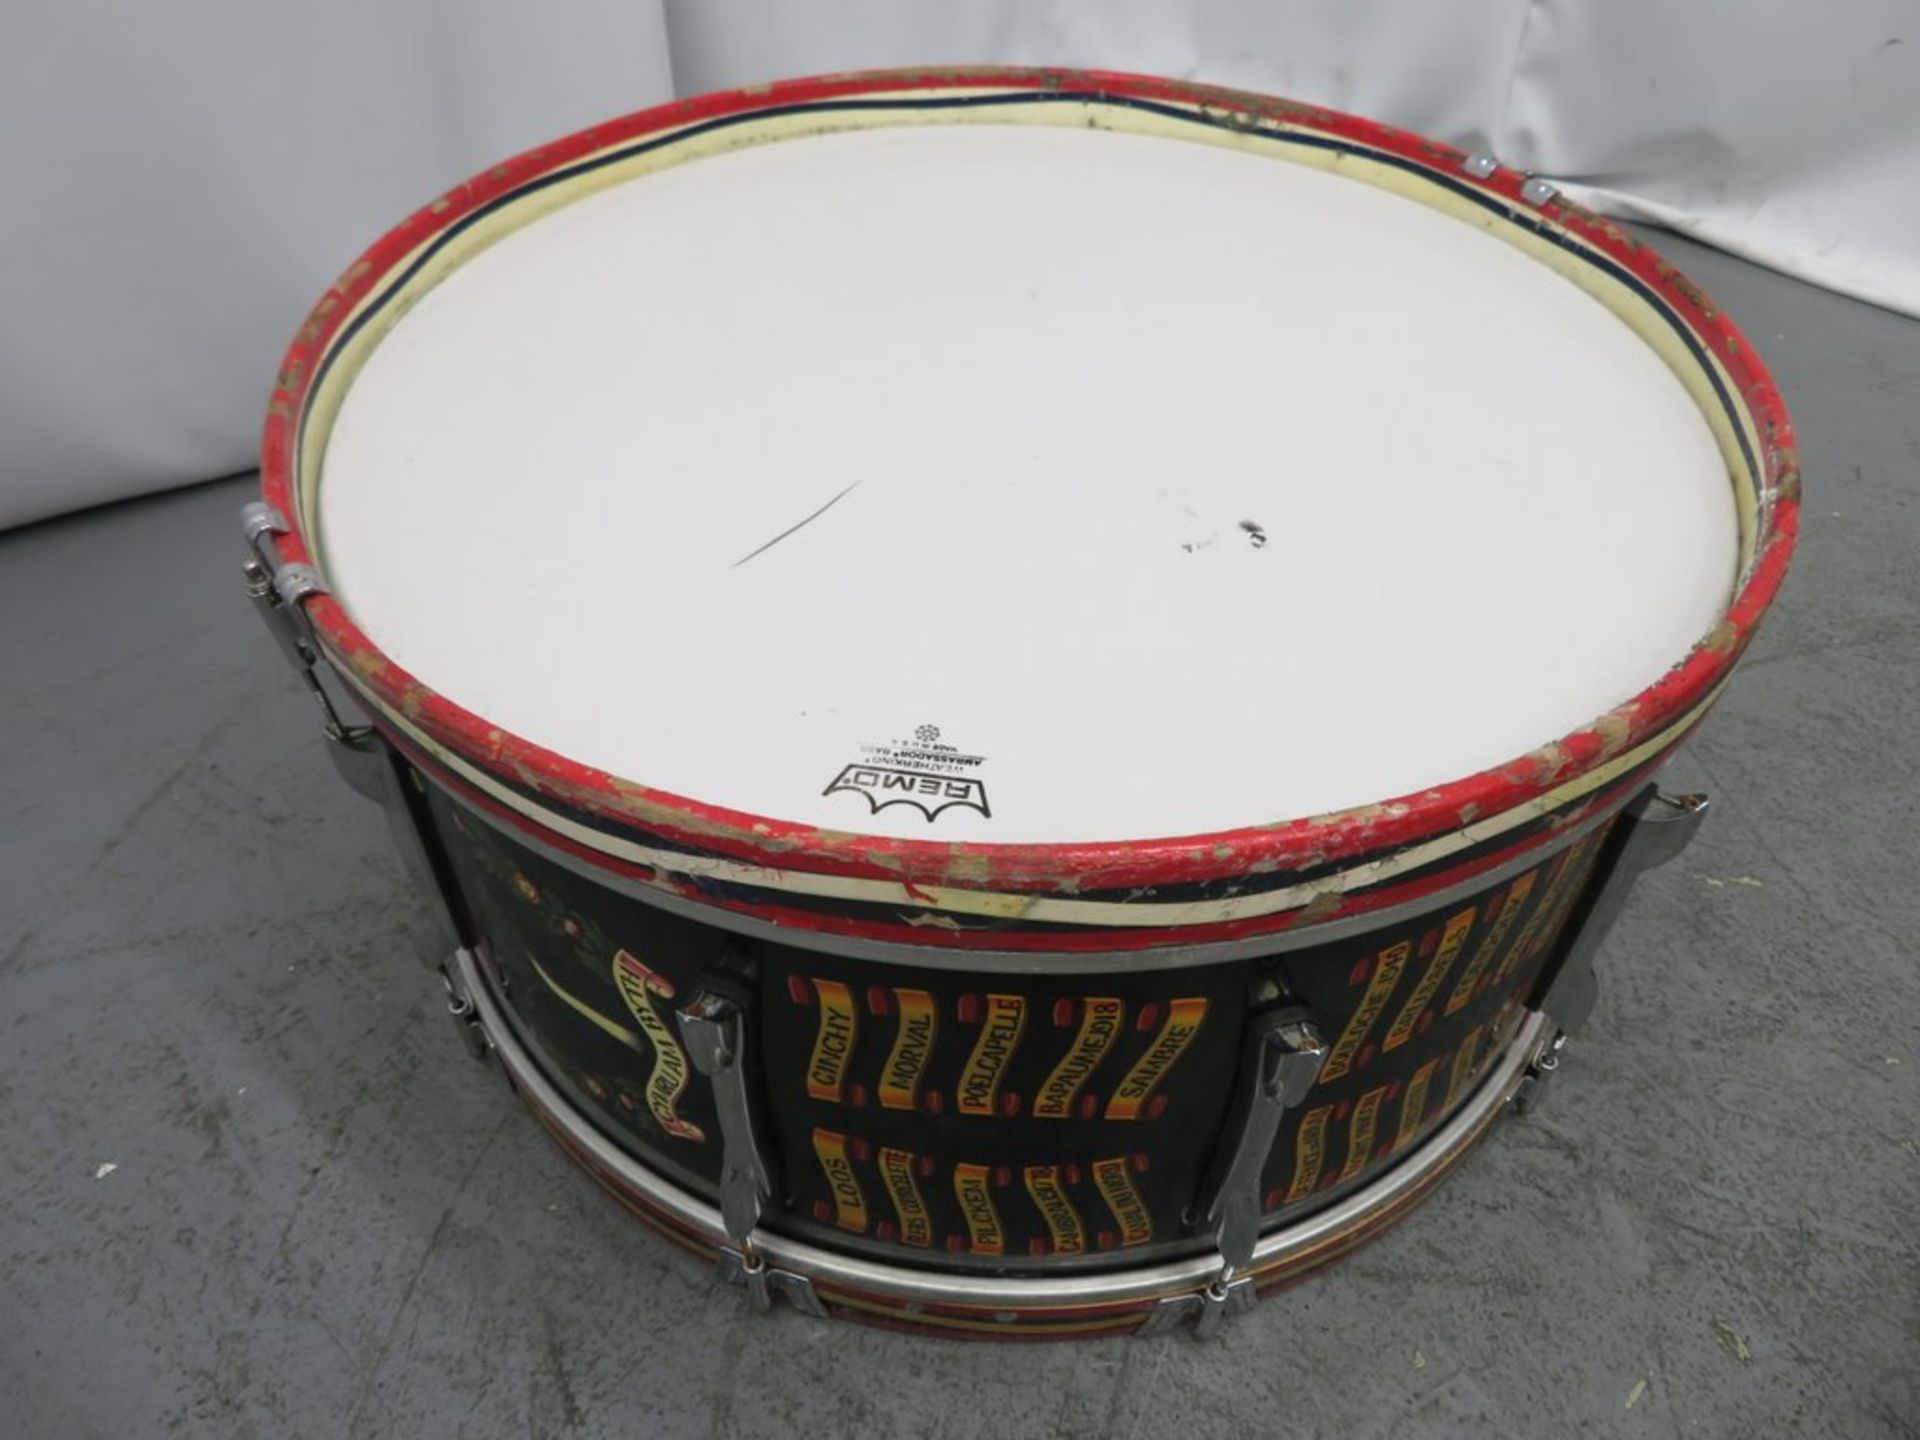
1021 696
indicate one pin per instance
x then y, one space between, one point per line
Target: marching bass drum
1021 695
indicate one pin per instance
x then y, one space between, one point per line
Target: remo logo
922 772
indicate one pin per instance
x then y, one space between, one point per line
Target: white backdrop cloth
179 181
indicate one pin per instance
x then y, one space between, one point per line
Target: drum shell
1061 1118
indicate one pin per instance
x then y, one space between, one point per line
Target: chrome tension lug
1284 1053
466 1017
745 1270
1545 1064
713 1025
1653 829
279 591
362 759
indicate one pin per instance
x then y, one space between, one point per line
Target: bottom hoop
1146 1300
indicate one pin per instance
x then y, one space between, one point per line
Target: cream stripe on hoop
1049 908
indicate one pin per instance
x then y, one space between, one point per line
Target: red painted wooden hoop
1280 847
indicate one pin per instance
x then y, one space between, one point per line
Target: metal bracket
1535 190
466 1017
713 1025
761 1281
1284 1055
1544 1065
1651 831
363 758
360 753
374 769
1207 1309
280 592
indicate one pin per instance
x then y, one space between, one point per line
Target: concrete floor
326 1221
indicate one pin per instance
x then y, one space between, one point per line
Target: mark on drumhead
925 773
797 525
1254 532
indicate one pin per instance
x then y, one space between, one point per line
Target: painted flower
572 927
528 890
593 1087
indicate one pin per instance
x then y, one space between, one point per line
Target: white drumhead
1103 486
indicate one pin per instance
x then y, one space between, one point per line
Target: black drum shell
1062 1117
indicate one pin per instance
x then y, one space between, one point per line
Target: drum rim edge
1112 951
1652 719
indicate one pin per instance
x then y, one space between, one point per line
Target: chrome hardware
466 1016
259 522
762 1282
1207 1309
1544 1065
362 756
372 767
1480 166
279 592
1537 191
1653 829
713 1024
1665 826
260 589
1286 1052
294 583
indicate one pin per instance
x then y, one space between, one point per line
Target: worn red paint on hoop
1060 868
967 1008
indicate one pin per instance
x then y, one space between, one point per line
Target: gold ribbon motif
1451 941
1006 1021
1366 1115
1114 1180
1489 945
669 1076
849 1205
1309 1153
1047 1186
912 1048
1099 1028
972 1187
896 1173
638 985
1386 975
1176 1034
833 1043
